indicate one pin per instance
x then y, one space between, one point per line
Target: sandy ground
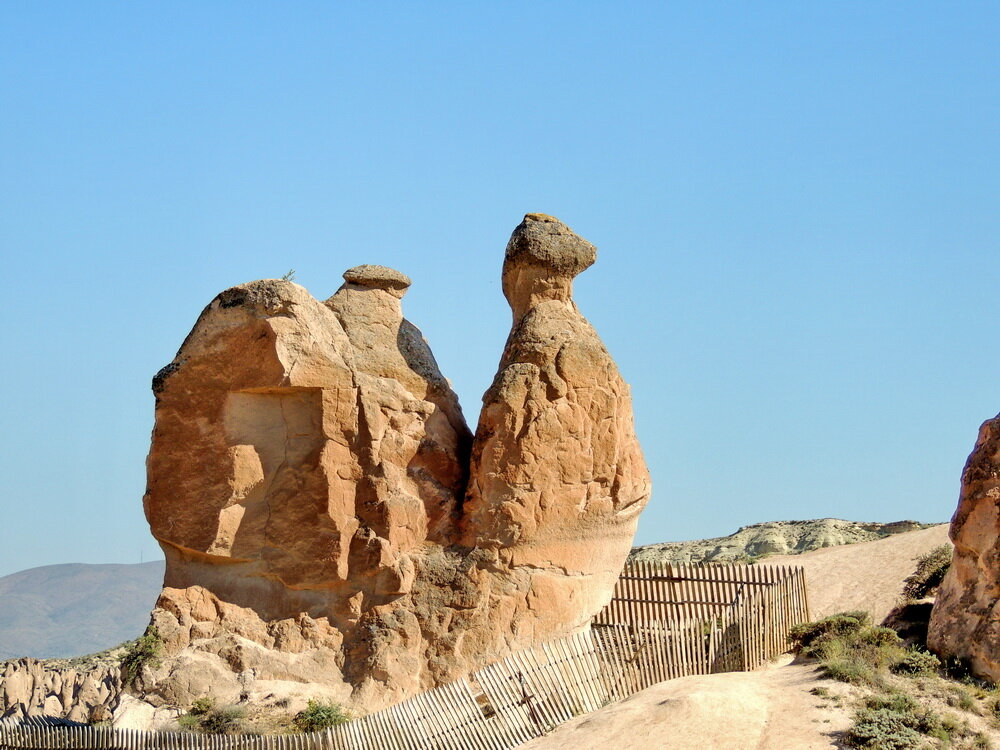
771 708
868 575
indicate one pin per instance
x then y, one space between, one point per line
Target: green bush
143 651
189 722
878 637
849 648
929 573
206 718
917 662
318 716
881 729
223 720
892 722
804 635
201 706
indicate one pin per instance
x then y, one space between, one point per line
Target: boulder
964 623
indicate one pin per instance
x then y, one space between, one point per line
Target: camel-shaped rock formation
329 521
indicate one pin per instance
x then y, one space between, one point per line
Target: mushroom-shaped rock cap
378 277
543 240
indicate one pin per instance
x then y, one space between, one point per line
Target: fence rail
664 621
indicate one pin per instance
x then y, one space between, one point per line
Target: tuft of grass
223 720
202 706
143 651
207 718
861 657
318 716
804 636
961 698
917 662
931 569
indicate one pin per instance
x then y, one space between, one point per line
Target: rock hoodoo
29 687
964 622
326 515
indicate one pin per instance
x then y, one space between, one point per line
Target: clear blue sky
795 206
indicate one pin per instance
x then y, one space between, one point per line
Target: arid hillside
773 538
74 609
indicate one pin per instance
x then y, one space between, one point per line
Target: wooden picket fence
663 622
748 609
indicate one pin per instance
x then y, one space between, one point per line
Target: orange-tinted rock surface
965 621
558 479
309 482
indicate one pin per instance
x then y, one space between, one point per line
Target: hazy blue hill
75 609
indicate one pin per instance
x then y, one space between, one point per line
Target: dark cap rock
378 277
543 240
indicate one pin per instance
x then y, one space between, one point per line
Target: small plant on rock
143 651
930 571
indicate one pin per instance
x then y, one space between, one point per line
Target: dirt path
771 708
768 709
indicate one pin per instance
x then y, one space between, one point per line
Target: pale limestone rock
965 622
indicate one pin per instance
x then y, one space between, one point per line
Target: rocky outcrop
309 483
558 479
964 623
29 687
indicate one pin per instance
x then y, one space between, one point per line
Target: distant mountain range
75 609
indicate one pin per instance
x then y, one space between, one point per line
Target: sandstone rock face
965 621
558 479
309 483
